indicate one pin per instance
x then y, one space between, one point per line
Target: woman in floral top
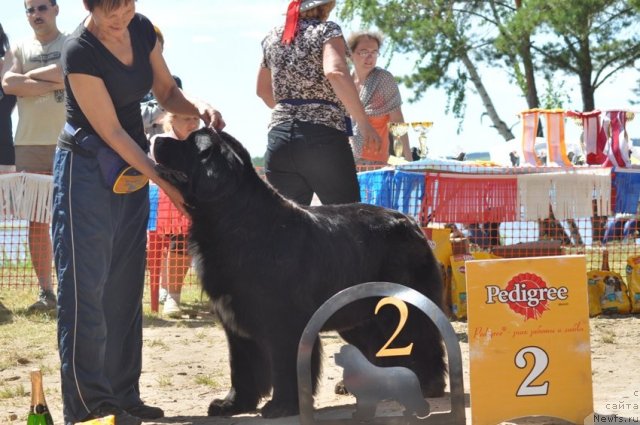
305 80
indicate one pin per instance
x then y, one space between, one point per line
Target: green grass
156 343
164 381
609 339
207 380
30 340
12 391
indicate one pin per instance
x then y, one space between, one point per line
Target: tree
590 40
439 33
258 161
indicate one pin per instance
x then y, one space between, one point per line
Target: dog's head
206 167
613 283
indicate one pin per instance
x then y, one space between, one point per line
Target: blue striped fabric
627 186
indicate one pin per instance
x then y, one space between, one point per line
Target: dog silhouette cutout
371 384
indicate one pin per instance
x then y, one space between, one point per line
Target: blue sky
214 47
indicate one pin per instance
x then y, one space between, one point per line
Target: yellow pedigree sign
529 349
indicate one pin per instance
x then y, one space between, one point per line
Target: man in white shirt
34 75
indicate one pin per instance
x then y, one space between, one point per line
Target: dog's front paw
225 407
278 410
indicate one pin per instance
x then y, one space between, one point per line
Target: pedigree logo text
526 294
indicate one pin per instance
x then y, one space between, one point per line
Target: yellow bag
459 281
439 239
595 290
440 243
633 282
612 291
609 288
459 285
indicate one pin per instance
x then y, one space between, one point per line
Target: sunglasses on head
32 10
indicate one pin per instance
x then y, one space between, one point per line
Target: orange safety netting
507 211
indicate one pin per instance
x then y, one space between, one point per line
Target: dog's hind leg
250 378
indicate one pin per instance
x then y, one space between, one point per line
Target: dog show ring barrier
396 295
504 212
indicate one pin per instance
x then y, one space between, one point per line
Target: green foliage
258 161
588 40
554 96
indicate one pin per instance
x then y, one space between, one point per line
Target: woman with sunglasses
110 63
380 96
304 78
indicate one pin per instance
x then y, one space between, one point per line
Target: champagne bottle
605 260
39 412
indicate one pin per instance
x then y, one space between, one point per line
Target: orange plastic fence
510 212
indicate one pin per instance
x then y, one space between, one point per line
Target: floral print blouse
297 73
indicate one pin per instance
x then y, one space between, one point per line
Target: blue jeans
99 241
303 158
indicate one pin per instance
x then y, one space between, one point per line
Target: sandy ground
185 367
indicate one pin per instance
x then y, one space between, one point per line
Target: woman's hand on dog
211 117
174 195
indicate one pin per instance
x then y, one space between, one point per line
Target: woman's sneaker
46 301
171 308
162 295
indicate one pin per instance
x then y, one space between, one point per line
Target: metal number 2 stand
381 289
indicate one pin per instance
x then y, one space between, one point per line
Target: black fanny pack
117 175
298 102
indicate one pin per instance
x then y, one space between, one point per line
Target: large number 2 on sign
540 363
404 313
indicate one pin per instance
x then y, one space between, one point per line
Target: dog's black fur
269 264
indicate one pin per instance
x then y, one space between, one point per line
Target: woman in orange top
380 96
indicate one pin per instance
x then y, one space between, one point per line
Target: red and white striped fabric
618 154
594 135
467 198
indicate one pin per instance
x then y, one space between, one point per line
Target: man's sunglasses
32 10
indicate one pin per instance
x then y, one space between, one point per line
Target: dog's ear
238 149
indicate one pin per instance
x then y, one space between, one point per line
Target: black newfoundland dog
269 264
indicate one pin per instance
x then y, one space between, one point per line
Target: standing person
35 77
305 79
110 63
7 103
168 244
380 96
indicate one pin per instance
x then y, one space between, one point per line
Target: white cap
310 4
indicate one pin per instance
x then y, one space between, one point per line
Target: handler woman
305 79
110 62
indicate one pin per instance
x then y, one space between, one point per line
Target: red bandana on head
291 24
